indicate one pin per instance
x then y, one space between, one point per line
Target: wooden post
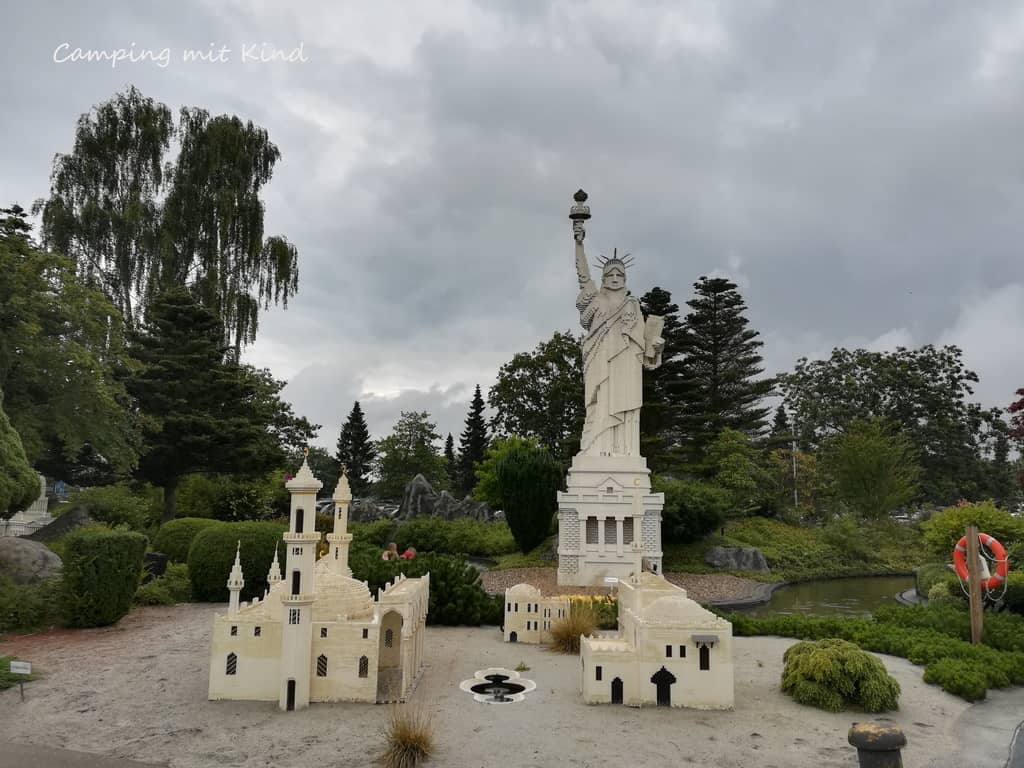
974 583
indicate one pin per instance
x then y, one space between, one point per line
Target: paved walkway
27 755
982 729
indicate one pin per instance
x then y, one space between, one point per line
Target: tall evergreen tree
781 434
722 365
356 451
450 462
472 445
663 387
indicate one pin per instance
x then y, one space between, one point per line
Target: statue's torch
578 214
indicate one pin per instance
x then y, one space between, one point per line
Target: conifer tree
472 445
663 387
722 364
450 462
356 450
781 435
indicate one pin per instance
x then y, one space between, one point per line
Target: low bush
171 588
692 508
101 572
566 632
1014 596
944 529
455 537
116 505
28 608
213 552
456 595
409 736
233 499
930 574
174 538
959 677
835 674
378 533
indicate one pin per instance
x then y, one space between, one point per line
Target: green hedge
28 608
456 596
101 573
120 505
835 674
943 530
175 537
171 588
930 574
1014 597
376 534
213 553
455 537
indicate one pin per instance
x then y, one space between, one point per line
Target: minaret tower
274 574
235 582
297 601
340 538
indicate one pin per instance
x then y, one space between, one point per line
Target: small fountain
497 686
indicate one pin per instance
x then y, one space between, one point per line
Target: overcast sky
856 167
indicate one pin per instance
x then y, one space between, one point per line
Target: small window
321 666
668 651
610 489
389 639
508 607
366 633
234 630
610 531
296 550
335 553
364 666
517 608
627 531
294 616
528 606
256 631
232 665
536 608
597 672
323 631
591 530
682 651
705 657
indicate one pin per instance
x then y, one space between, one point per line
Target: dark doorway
290 703
664 680
513 637
299 515
705 658
617 691
296 582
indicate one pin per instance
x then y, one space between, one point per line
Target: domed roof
343 596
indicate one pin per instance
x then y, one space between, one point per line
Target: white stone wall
529 615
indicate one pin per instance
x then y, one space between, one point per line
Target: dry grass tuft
565 633
410 737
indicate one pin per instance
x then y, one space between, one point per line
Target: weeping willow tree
138 223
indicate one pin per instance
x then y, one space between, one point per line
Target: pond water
831 597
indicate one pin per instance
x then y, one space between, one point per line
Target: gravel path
703 587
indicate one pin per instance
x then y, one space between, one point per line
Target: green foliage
233 498
377 534
539 395
734 465
19 484
454 537
566 631
408 451
779 466
174 538
692 509
722 366
835 674
528 480
963 678
541 556
925 392
845 536
472 445
213 552
356 451
873 468
171 588
924 636
1014 597
116 505
942 593
930 574
943 530
486 489
456 596
663 387
7 678
28 608
101 573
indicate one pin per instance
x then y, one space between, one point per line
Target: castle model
318 635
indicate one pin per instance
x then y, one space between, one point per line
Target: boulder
27 562
736 559
366 511
420 500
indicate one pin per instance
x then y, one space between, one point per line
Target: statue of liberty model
609 521
618 345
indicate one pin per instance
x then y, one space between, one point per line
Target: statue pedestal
609 522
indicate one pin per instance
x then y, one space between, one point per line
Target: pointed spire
274 575
304 479
235 581
342 491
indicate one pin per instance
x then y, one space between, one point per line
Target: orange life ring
998 552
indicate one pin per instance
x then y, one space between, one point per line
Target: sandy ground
138 690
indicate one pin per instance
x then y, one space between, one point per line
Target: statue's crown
606 263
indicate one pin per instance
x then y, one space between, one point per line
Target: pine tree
663 387
472 445
781 435
356 450
451 463
722 364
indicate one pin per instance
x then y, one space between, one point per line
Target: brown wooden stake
974 582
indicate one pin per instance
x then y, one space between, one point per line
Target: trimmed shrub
171 588
101 572
213 552
528 479
28 608
958 677
940 593
377 534
943 530
175 536
230 498
455 537
692 508
930 574
834 674
1014 597
119 505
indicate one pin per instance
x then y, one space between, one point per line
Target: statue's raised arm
578 214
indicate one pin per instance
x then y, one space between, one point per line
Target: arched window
364 666
299 520
389 638
321 666
232 665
